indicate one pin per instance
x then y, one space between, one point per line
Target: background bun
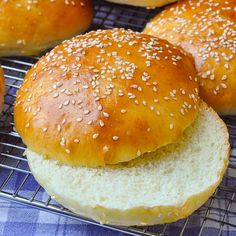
106 97
157 188
28 27
144 3
2 88
206 29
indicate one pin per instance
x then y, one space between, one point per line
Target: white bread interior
156 188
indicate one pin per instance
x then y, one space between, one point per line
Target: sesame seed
63 121
101 123
100 107
106 114
223 85
224 77
76 140
105 149
154 89
58 128
66 103
79 119
86 112
115 138
55 95
95 136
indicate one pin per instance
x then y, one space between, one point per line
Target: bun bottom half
156 188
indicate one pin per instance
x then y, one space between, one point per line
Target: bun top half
207 30
106 97
29 27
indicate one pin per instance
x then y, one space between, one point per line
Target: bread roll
206 29
144 3
28 27
157 188
2 88
106 97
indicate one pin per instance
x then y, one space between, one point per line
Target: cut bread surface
157 187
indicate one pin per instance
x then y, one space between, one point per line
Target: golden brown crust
106 97
206 29
2 88
28 27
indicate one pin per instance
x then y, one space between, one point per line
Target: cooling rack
217 216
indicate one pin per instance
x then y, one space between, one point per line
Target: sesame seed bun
2 88
28 27
106 97
206 29
144 3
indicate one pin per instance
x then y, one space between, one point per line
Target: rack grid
218 214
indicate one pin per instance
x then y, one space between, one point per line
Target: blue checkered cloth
17 219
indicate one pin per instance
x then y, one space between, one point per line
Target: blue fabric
17 219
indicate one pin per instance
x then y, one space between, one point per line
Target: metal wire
220 210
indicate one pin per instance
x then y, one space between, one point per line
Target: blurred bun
207 30
106 97
2 88
28 27
157 188
144 3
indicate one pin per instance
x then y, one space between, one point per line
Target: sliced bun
2 88
156 188
144 3
29 27
206 29
106 97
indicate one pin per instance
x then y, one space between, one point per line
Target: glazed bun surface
144 3
2 88
29 27
106 97
206 29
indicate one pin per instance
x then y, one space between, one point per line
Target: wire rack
217 215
